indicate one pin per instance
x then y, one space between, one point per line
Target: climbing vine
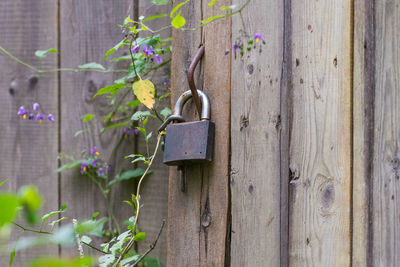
133 100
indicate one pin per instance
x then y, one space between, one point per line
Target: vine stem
132 240
152 245
30 230
53 70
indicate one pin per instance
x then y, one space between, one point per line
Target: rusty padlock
189 142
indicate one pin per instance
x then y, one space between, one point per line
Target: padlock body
189 142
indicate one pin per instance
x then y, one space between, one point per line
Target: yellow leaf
144 91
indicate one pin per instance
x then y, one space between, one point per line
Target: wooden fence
306 160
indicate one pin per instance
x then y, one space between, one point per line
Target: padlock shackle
205 104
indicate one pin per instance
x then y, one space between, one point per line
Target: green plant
133 100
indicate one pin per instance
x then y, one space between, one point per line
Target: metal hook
190 74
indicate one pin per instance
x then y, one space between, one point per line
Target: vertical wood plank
256 134
184 208
363 131
88 29
28 150
197 219
386 138
154 192
320 143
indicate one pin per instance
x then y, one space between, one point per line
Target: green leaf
69 165
127 260
12 256
50 214
91 65
152 262
53 223
42 53
134 103
94 216
155 16
223 8
106 260
140 236
136 173
111 89
29 197
160 2
114 126
138 115
1 184
213 2
212 18
8 207
87 117
144 91
178 21
166 112
177 7
57 262
115 48
149 135
86 239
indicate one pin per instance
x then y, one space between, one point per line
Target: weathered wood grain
256 138
320 142
28 150
363 131
386 136
155 188
88 29
197 219
183 247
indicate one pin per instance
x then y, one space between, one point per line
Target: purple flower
235 47
148 50
100 171
226 52
136 131
94 151
84 166
126 132
40 117
107 168
135 49
36 106
22 112
152 59
159 59
50 117
166 81
31 117
258 37
94 163
162 50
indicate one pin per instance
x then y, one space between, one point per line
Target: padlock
189 142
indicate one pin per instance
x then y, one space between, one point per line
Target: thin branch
132 240
17 59
31 230
93 247
239 11
57 69
152 245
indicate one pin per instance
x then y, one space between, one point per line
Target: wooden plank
197 219
320 143
154 192
386 136
256 138
363 131
88 29
28 150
